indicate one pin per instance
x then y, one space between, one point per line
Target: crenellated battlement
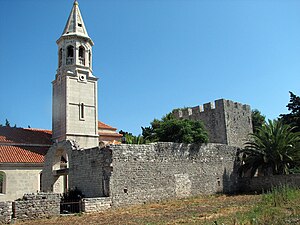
226 121
219 104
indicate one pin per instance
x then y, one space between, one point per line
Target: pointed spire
75 24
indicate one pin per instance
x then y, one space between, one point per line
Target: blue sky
153 55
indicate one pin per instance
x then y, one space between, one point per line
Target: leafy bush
72 195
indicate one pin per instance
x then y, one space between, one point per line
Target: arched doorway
60 170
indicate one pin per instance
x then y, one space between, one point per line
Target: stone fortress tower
227 122
75 115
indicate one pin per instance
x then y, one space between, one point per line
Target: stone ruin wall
130 174
30 206
5 212
36 205
88 169
143 173
227 122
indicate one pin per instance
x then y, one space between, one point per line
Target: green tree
273 149
170 129
292 118
258 120
129 138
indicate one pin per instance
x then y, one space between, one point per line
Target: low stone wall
5 212
37 206
96 204
260 184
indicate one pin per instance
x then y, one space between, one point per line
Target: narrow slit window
81 111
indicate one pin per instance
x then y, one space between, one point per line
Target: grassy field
281 206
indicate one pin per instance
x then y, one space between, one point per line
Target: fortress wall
227 122
238 122
143 173
131 174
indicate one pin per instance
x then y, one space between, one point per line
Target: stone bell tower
74 108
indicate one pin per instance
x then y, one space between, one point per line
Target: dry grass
219 209
197 210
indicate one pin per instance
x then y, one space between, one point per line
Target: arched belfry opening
60 58
81 55
70 55
60 169
90 58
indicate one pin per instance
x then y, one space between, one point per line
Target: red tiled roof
22 154
28 145
19 145
25 136
110 134
102 125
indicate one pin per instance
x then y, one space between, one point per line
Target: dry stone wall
37 206
5 212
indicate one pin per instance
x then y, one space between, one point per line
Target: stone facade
20 179
227 122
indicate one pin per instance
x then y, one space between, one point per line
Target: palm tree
273 149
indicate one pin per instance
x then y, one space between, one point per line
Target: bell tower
74 108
